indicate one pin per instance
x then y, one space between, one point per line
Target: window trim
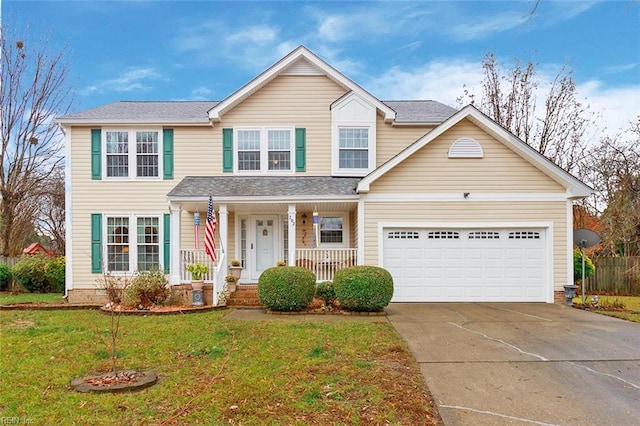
346 227
264 150
133 240
132 154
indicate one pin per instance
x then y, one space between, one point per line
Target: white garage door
466 265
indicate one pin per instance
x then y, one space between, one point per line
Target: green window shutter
96 154
227 150
96 243
167 153
301 148
167 242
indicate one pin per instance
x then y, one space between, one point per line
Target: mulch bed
121 381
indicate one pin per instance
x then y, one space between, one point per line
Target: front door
264 244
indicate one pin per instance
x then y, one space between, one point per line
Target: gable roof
575 187
301 61
171 112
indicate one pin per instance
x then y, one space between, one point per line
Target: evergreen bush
5 277
286 288
589 268
325 292
363 288
54 272
29 272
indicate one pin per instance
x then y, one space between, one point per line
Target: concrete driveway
508 363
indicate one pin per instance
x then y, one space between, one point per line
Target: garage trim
547 226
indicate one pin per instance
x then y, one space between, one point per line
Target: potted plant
231 281
197 271
235 268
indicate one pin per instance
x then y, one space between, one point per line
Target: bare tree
509 98
32 92
614 171
51 212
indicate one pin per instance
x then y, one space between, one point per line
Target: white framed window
353 136
334 229
132 154
353 148
132 243
264 150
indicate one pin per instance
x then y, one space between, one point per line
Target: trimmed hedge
286 288
5 277
363 288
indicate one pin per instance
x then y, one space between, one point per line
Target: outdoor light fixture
304 218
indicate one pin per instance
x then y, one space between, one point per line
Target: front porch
323 262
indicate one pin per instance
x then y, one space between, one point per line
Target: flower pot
231 287
197 284
235 271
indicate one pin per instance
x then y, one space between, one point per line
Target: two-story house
305 166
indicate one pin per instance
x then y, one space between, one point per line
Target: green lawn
212 371
631 305
10 298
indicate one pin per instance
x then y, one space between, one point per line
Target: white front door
263 244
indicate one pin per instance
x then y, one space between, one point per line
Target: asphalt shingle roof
268 186
196 112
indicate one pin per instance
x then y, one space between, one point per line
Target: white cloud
487 26
200 93
133 80
444 80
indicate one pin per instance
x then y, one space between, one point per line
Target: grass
11 298
212 371
631 305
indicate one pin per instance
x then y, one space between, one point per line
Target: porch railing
325 262
197 256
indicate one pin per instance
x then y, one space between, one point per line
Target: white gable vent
465 148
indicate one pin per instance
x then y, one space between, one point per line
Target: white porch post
361 229
176 261
223 219
291 255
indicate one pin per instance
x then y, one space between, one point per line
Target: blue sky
164 50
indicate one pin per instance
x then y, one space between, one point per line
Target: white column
175 243
223 222
361 229
291 217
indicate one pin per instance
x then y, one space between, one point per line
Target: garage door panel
468 265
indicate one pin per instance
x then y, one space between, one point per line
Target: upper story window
132 153
353 148
264 150
353 124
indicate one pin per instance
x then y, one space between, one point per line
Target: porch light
304 218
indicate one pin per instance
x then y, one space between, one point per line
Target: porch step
245 296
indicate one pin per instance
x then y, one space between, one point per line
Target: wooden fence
619 275
10 261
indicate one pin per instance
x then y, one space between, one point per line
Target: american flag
210 232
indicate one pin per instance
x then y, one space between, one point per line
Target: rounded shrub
325 292
5 277
54 273
286 288
29 272
363 288
147 288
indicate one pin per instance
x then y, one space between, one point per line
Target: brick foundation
558 297
96 296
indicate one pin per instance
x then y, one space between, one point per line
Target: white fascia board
459 197
467 225
272 72
94 122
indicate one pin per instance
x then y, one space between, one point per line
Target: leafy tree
32 92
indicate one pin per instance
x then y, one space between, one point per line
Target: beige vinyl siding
297 101
430 169
391 140
472 212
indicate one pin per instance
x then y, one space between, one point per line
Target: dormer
353 136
